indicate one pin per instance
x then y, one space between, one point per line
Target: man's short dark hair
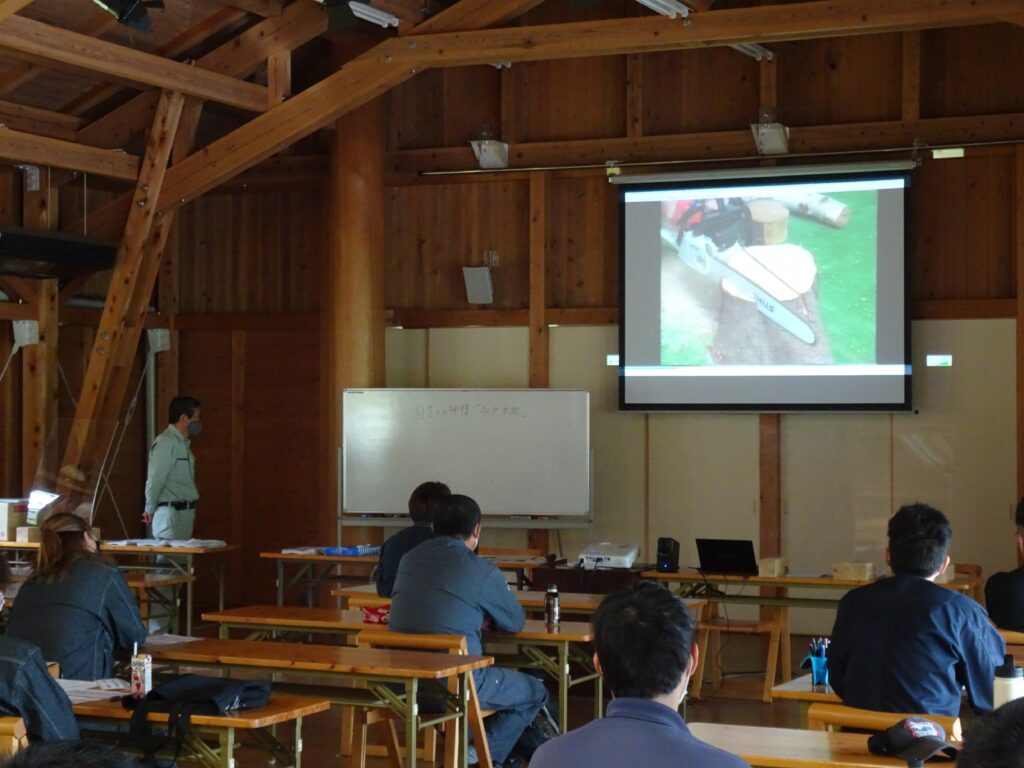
1019 515
182 405
919 538
69 754
996 740
457 516
424 500
643 637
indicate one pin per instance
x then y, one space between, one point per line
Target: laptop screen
727 556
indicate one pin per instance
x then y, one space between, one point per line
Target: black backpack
184 696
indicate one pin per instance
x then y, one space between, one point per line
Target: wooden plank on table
71 49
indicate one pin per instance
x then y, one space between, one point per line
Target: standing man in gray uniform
443 588
171 492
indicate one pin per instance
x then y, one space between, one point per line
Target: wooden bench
826 717
281 709
452 644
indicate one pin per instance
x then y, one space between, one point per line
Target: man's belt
178 505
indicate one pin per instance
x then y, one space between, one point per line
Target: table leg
297 762
280 582
190 595
563 687
227 748
785 651
599 697
310 584
463 758
411 717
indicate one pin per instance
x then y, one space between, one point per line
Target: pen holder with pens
817 660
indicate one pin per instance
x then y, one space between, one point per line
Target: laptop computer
734 556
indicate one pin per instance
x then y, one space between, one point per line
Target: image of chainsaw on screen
741 243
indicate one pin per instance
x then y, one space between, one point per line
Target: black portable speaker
668 555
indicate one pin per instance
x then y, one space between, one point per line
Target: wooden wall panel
840 80
10 423
961 228
434 230
281 451
472 99
416 112
972 71
252 252
583 243
701 90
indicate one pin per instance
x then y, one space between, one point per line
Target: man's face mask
195 428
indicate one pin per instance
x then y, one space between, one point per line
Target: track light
754 51
367 12
131 13
669 8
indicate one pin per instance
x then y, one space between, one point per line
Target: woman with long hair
26 688
77 607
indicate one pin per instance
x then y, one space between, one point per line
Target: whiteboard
516 451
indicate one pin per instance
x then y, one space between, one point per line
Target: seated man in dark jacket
422 503
28 691
1004 592
906 644
444 588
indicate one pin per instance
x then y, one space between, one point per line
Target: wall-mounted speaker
478 285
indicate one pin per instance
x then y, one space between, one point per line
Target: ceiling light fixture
754 51
669 8
367 12
131 13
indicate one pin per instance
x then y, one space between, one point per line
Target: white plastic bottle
1008 684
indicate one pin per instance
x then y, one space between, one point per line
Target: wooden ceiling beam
464 15
265 8
21 72
42 150
11 7
398 59
172 49
301 22
39 121
71 49
761 24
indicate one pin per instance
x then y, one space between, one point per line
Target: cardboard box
771 566
27 533
13 513
853 571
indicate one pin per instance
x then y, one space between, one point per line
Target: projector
608 555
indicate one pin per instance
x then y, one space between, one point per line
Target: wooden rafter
39 121
64 48
121 322
11 7
301 22
18 288
41 150
21 72
178 45
398 59
259 7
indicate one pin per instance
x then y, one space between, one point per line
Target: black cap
913 739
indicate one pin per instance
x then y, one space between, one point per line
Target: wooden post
539 352
1018 247
10 395
39 361
121 322
352 309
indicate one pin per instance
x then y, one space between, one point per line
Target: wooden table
281 708
554 650
151 585
365 596
801 689
376 667
183 562
792 748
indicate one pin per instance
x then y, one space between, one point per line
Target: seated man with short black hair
644 649
422 503
1004 592
444 588
905 644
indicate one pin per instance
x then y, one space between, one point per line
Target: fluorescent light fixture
948 153
754 51
367 12
612 360
771 138
669 8
501 64
938 361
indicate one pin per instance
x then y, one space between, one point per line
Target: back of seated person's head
643 637
69 754
65 538
425 499
919 537
996 740
457 516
